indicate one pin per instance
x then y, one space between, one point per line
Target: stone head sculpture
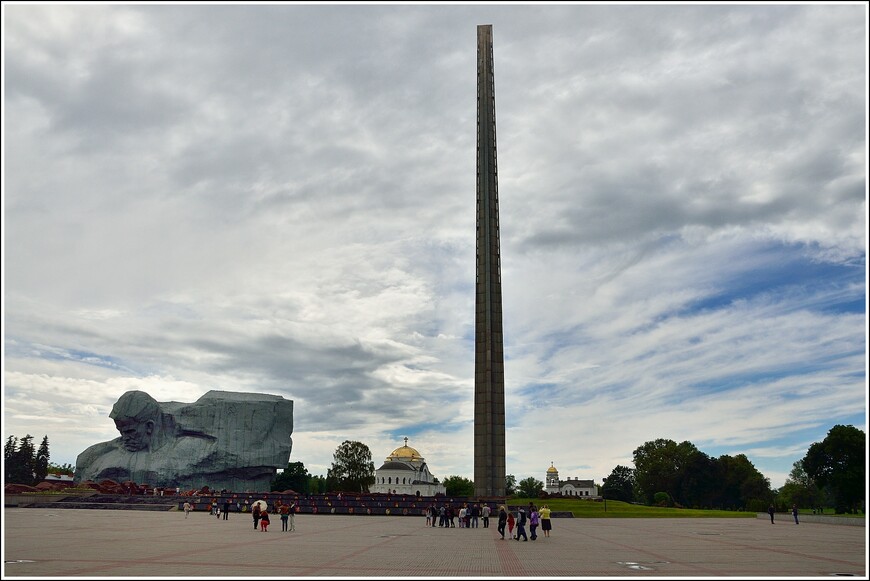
138 417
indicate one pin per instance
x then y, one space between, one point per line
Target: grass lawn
618 509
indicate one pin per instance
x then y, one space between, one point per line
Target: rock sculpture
224 439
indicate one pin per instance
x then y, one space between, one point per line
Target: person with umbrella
255 512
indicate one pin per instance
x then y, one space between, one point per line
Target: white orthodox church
405 472
570 487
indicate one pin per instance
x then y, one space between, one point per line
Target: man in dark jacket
502 520
521 525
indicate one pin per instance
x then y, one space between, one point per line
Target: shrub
661 499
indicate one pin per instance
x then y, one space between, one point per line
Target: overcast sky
281 199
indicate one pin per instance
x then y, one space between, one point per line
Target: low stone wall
786 517
20 499
28 499
103 506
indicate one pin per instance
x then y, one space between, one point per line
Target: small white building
569 487
405 472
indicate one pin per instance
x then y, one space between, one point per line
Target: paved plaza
43 543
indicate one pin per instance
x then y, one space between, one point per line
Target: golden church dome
406 452
551 469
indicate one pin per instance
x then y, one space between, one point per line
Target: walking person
187 508
502 520
533 522
292 516
227 509
794 512
264 520
770 511
485 514
510 523
546 526
256 514
475 515
521 525
285 516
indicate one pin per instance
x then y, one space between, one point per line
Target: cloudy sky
281 199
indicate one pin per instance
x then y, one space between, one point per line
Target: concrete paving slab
52 543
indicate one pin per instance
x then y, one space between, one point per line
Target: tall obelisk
489 448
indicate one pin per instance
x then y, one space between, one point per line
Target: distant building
56 481
405 472
569 487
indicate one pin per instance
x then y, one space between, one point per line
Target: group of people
287 512
534 518
794 512
215 509
443 516
469 516
260 512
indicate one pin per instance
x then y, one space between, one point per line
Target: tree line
666 473
23 463
832 474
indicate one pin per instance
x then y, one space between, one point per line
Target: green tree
317 485
41 460
838 462
661 499
659 466
619 485
352 467
691 478
10 468
510 485
799 489
20 461
699 481
743 487
295 477
10 447
65 468
530 487
458 486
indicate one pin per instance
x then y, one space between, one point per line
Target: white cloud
281 199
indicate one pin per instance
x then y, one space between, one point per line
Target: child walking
264 520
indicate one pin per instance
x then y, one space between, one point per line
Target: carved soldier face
135 434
